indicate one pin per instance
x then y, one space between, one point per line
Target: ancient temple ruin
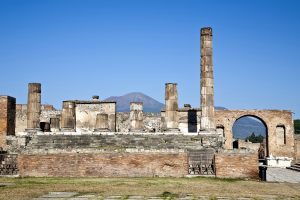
90 138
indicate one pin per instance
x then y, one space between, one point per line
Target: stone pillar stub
68 116
136 117
101 123
171 103
207 123
33 107
54 124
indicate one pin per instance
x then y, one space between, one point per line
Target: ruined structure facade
89 137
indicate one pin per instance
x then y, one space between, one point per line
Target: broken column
68 116
207 82
171 100
7 118
54 124
101 122
33 107
136 116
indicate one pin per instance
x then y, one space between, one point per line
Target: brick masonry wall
7 118
236 165
104 165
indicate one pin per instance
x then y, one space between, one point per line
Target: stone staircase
8 164
119 142
295 167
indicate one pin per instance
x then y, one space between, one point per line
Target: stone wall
104 165
247 145
271 118
7 118
236 164
152 122
47 111
86 112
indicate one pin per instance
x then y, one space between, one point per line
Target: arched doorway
250 132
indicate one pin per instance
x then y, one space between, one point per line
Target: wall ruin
7 118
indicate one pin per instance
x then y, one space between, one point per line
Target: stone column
207 82
33 106
171 100
136 116
101 123
54 124
68 116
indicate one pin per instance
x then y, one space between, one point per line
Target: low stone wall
104 165
236 164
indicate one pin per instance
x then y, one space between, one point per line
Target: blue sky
80 48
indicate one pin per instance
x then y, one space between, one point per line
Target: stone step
294 168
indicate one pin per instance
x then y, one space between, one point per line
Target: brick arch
263 121
271 119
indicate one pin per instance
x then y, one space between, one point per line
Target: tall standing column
136 116
33 106
207 82
68 116
171 100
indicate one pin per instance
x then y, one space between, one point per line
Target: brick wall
7 118
236 165
104 165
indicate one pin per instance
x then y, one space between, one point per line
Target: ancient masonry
89 138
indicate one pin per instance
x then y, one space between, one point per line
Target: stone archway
279 124
246 125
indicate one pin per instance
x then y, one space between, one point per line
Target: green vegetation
297 126
255 139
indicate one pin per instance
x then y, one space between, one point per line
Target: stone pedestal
207 123
171 102
54 124
33 107
101 123
68 117
136 117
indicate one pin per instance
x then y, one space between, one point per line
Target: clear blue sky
78 48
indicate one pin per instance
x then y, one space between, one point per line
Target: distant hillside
245 126
123 102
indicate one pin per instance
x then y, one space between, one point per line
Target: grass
167 188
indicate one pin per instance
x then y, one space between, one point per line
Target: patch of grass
168 195
168 188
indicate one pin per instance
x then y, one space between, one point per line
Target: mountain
245 126
123 102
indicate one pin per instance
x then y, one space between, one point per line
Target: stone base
54 130
207 132
101 130
136 130
172 130
32 130
68 130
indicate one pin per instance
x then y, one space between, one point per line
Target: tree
255 139
297 126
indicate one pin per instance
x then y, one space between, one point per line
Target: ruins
90 138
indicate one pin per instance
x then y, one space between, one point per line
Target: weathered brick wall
271 118
236 165
7 118
104 165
